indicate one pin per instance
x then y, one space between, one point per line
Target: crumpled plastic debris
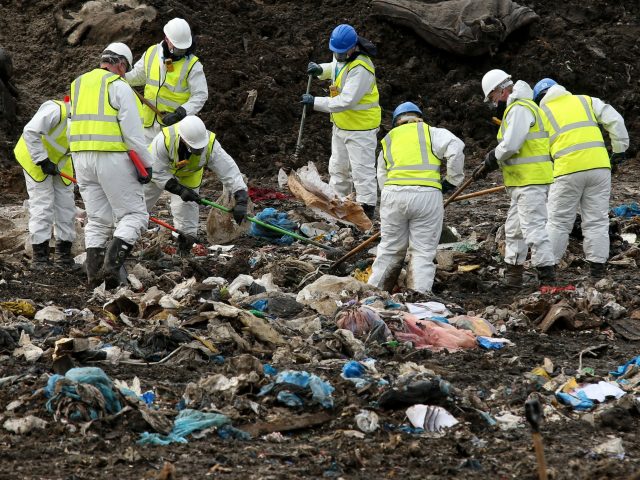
434 335
415 389
27 349
259 194
611 448
323 294
626 210
278 219
24 425
189 421
84 393
623 369
363 320
583 398
477 325
493 343
367 421
289 385
20 307
430 418
428 310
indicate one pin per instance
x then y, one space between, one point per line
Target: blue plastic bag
623 368
321 391
626 210
278 219
187 422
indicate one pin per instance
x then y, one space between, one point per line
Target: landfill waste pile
258 350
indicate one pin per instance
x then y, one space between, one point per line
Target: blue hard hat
403 108
542 86
343 38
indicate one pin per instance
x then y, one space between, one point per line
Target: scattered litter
430 418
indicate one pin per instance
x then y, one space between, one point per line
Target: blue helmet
403 108
343 38
541 87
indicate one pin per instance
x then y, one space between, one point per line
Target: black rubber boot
40 257
63 254
185 242
513 275
597 270
117 253
547 275
93 264
369 210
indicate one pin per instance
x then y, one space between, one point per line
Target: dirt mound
265 45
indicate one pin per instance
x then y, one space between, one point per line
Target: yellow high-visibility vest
94 122
532 164
189 174
55 144
576 141
174 90
409 158
367 114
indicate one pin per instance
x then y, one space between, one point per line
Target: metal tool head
533 412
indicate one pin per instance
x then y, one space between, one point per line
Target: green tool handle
283 231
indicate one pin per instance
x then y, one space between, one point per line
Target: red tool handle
68 177
163 224
135 158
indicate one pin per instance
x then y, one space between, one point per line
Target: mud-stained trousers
51 204
186 215
411 218
525 226
112 196
353 164
589 191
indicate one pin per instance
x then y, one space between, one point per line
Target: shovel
304 114
268 226
533 412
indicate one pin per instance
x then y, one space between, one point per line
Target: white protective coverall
411 218
527 215
588 190
353 153
51 202
185 214
108 180
198 89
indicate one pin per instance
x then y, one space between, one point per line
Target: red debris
258 194
552 290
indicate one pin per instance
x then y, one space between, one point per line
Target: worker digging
300 240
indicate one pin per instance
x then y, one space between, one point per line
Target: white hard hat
177 30
193 132
491 80
121 49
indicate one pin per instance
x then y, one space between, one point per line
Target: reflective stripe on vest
55 144
409 158
189 175
366 115
173 91
532 164
576 142
94 122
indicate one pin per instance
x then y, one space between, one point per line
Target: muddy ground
589 46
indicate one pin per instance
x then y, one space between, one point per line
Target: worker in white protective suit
523 157
105 124
180 154
173 79
581 168
43 152
411 208
353 103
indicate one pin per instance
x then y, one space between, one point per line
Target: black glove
146 179
174 117
240 208
307 99
314 69
48 167
490 161
183 192
616 159
447 187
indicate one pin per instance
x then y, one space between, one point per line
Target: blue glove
307 99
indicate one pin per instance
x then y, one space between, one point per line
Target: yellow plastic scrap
467 268
20 307
541 372
207 343
362 275
571 385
